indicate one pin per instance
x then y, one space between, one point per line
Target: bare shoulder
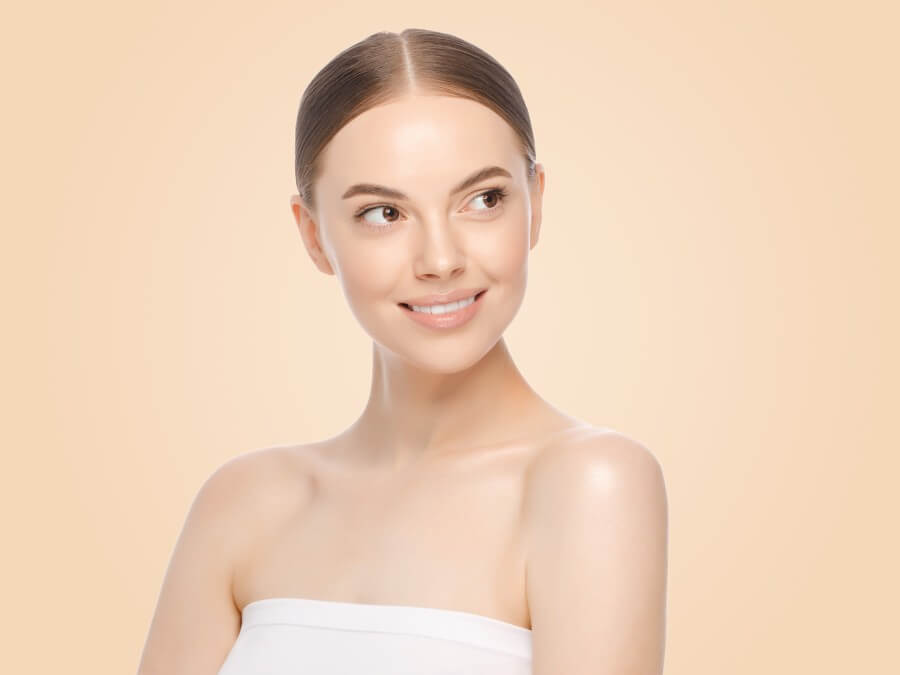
592 475
257 482
596 556
244 499
196 621
263 464
599 458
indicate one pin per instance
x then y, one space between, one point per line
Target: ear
310 233
536 195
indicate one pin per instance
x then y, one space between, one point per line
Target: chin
448 363
440 354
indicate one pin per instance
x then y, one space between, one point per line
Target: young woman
461 524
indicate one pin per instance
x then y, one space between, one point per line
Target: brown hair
386 65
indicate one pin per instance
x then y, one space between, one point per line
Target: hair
387 65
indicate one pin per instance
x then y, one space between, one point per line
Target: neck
412 412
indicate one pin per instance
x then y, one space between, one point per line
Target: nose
438 254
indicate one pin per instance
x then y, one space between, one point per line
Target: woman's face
428 238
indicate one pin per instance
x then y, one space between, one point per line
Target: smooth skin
458 486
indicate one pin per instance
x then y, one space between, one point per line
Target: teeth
443 309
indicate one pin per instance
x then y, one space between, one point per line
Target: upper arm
196 622
596 565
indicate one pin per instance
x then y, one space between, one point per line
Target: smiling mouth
474 297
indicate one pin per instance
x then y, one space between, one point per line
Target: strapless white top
300 636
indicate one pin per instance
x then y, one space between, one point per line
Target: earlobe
309 232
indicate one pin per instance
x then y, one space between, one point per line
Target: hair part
386 66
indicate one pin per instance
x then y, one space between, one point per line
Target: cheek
503 252
369 269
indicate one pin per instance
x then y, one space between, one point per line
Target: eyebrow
390 193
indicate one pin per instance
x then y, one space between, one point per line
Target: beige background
715 278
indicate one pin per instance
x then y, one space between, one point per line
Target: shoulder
593 481
596 556
260 464
598 458
255 483
196 618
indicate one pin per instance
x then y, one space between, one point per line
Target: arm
596 570
196 622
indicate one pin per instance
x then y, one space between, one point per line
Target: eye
494 197
377 209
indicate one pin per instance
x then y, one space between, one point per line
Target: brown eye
382 210
491 199
389 209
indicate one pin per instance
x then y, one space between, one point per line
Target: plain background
716 277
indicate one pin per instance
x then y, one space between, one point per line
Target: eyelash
501 193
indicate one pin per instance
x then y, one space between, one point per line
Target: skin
458 486
459 388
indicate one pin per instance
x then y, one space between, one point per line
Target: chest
449 538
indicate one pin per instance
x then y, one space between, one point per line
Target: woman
461 524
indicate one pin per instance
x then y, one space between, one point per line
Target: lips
440 299
445 321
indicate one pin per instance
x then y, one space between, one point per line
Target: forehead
420 142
